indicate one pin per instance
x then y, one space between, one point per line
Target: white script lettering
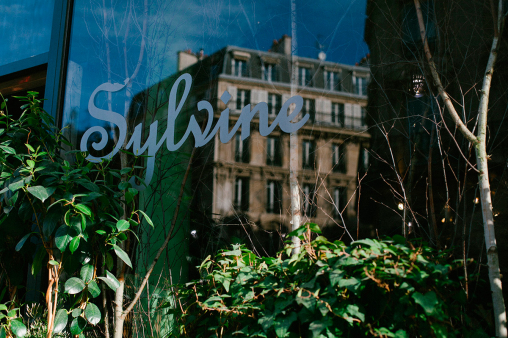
152 145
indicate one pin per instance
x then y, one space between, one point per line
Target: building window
411 27
269 72
308 158
340 200
332 81
360 85
273 151
338 113
309 201
242 153
355 117
309 106
364 160
274 104
274 197
239 68
241 201
242 98
339 158
304 77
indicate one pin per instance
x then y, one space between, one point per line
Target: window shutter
320 116
254 97
327 111
262 96
357 114
348 112
232 102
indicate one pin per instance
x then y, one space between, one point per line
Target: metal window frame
55 59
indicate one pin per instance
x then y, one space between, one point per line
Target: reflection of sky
25 29
335 27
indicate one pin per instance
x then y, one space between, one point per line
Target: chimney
282 46
185 59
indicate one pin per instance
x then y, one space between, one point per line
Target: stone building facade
249 179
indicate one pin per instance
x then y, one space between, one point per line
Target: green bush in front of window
371 288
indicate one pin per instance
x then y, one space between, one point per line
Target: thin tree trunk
479 142
293 140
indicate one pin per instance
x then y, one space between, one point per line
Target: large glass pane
143 73
25 28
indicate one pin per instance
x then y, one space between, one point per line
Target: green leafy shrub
380 288
72 216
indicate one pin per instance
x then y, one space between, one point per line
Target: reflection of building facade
251 177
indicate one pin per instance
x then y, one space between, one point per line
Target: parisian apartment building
248 180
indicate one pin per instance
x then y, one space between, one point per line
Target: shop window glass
25 28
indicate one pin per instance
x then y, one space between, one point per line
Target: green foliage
11 322
73 214
381 288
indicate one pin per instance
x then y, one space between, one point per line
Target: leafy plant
11 322
77 215
380 288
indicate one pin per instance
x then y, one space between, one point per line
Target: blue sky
334 26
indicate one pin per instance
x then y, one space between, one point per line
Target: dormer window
332 81
239 68
360 84
239 62
304 76
269 71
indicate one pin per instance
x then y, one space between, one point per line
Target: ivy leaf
84 209
39 257
41 192
94 289
318 326
428 301
73 245
62 237
55 263
148 220
3 334
74 285
122 225
22 242
282 324
86 273
110 280
61 320
76 312
51 220
122 255
109 261
16 185
18 328
78 325
92 314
